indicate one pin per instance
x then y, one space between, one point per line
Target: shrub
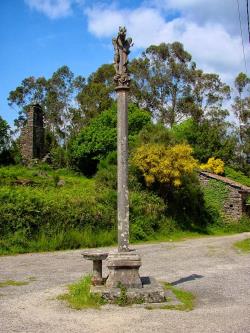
214 165
99 138
164 165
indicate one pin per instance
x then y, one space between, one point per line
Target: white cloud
201 11
51 8
210 42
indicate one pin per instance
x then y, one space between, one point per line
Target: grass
243 245
8 283
186 298
79 295
64 240
237 176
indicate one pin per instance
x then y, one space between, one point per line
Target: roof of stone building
226 181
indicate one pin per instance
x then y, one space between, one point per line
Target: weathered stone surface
96 257
150 292
235 205
32 135
122 49
124 268
122 172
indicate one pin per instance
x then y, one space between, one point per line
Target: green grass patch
243 245
185 297
8 283
237 176
64 240
79 295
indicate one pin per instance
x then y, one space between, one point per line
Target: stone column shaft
122 170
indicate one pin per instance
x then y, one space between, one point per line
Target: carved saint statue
121 47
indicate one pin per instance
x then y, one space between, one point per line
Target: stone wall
32 135
235 205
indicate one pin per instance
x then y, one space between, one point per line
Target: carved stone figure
121 47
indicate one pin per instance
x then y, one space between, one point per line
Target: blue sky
39 36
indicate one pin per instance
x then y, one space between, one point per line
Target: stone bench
96 257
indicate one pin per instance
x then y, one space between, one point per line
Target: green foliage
243 245
4 135
122 300
99 138
187 205
208 138
96 96
59 157
237 176
155 134
80 297
216 193
41 207
5 153
56 95
63 240
41 217
166 82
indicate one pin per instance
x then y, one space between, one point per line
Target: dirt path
210 268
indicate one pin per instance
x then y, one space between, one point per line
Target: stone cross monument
124 265
122 81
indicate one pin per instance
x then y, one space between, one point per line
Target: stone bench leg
97 272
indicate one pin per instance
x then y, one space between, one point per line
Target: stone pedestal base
151 292
124 269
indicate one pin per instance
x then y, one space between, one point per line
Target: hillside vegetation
44 209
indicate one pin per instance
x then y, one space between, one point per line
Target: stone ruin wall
235 205
32 135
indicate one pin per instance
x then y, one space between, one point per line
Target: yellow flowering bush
215 165
164 165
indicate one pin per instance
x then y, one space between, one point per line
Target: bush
162 165
59 157
214 165
99 138
208 138
187 205
40 216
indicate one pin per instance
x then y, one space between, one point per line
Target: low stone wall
235 205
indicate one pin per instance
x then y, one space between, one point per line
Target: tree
97 95
241 108
166 81
209 138
161 81
4 135
5 143
97 139
208 93
56 95
61 101
31 91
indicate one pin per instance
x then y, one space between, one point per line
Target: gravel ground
210 268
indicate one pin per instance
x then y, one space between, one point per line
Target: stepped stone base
150 291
